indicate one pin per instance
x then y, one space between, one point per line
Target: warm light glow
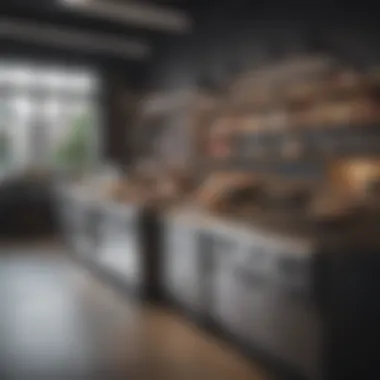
356 174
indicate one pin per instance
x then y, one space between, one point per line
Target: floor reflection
59 323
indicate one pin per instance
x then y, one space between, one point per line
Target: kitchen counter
269 281
120 239
292 228
254 283
277 283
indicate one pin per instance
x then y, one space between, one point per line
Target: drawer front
279 316
224 303
294 277
181 271
260 256
119 247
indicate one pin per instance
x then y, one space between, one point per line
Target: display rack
295 117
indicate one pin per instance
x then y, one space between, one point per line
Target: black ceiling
49 12
203 12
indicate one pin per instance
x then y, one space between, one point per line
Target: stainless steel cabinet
77 219
255 286
181 271
119 249
81 223
298 336
253 275
64 207
261 293
225 306
279 313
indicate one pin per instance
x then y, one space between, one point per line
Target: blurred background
172 164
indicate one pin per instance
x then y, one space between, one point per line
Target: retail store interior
189 189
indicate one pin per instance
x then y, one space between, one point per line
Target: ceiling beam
74 39
142 15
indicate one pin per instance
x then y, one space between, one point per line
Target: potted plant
73 153
4 149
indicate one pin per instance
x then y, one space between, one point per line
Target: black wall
242 34
237 36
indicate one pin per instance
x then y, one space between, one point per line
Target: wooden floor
57 322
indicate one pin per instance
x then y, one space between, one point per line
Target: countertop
355 233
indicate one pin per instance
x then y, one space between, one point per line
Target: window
48 116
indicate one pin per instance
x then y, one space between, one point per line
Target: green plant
4 149
74 151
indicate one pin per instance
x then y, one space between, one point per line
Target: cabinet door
226 301
172 250
105 236
189 268
278 314
253 276
167 268
120 251
298 330
65 216
79 222
297 336
131 248
93 231
69 216
88 232
181 268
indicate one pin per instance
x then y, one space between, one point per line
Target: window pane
41 107
6 74
20 146
52 108
22 106
23 76
52 79
6 112
81 82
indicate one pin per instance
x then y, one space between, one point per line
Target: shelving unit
266 122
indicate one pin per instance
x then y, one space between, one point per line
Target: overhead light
74 39
149 16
